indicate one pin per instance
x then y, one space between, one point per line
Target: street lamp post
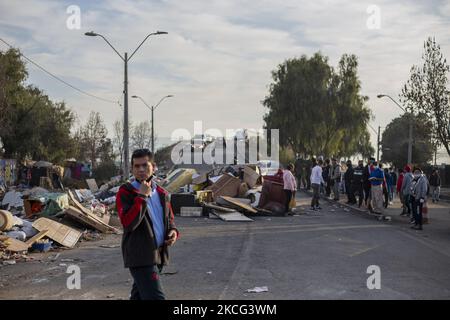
152 109
410 134
125 59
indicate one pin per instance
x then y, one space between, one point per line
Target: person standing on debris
316 181
148 222
435 184
290 185
335 176
419 189
376 188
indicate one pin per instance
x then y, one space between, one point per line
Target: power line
58 78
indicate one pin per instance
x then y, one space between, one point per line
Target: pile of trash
39 220
230 193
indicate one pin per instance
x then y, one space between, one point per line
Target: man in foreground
148 223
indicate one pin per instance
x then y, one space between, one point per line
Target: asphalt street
311 255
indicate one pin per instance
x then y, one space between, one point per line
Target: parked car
268 167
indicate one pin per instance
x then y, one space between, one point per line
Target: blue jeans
408 203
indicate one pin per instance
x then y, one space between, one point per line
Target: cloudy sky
218 55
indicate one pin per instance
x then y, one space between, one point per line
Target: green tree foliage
427 92
31 125
395 141
319 110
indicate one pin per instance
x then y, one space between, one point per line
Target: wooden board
92 184
89 213
239 204
85 219
14 245
216 207
227 185
58 232
37 237
6 220
231 216
250 176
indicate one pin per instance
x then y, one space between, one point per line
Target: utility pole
378 144
125 58
126 150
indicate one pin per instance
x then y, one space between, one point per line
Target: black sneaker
312 209
318 208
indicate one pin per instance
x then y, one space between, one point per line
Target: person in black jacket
358 183
435 184
348 179
326 177
148 224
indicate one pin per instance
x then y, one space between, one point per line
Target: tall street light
152 108
125 59
410 137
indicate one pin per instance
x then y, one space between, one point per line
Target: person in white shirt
290 184
316 181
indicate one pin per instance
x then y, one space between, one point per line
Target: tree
118 140
141 137
12 76
92 139
38 128
427 92
395 141
319 110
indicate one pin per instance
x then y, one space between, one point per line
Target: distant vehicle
198 142
268 167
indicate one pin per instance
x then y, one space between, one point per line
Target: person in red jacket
399 189
148 224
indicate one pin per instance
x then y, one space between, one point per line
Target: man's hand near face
146 188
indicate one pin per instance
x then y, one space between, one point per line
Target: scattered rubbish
58 232
42 245
110 246
226 185
6 220
18 235
67 260
239 203
9 262
54 257
209 272
258 289
92 184
111 295
231 216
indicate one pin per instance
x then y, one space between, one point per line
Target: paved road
307 256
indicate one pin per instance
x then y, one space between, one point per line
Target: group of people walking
370 185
